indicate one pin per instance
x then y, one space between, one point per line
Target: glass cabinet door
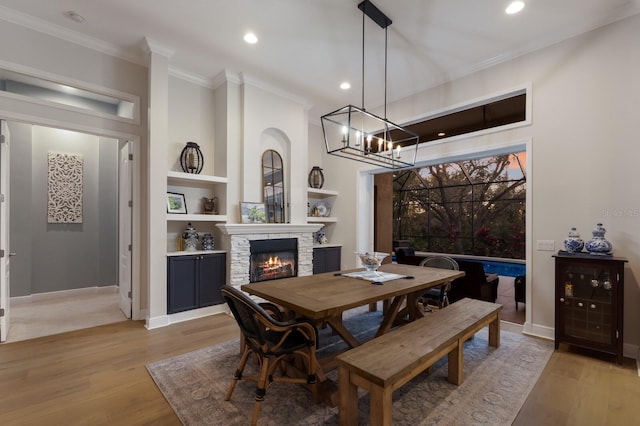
587 308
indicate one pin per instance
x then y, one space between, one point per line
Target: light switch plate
545 245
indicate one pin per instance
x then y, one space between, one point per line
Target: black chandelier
357 134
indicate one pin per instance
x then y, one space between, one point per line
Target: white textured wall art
65 188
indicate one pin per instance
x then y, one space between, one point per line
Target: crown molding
225 76
150 45
191 77
267 87
71 36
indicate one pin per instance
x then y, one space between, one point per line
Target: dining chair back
273 342
439 294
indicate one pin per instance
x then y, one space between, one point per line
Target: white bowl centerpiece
372 260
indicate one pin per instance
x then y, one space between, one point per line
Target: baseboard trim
165 320
61 294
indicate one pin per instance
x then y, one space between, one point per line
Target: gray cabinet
326 259
194 281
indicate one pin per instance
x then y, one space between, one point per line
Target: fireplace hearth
273 259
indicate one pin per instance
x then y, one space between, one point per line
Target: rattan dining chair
439 294
273 342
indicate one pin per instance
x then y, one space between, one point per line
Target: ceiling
308 47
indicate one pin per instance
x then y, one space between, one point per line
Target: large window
474 207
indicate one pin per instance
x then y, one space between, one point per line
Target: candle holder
191 159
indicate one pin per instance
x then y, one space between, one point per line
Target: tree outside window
474 207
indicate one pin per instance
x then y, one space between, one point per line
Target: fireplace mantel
267 228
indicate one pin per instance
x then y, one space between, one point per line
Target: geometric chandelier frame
354 133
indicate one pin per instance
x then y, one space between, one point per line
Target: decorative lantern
191 158
316 178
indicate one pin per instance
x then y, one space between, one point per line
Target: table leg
494 332
338 327
390 315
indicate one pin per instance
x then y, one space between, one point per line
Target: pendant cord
363 59
385 73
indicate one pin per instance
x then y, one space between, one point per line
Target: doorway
72 275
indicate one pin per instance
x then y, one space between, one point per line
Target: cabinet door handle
562 299
593 306
580 304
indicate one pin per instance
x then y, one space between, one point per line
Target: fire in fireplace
273 259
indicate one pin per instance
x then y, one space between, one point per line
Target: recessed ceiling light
250 38
75 17
514 7
345 86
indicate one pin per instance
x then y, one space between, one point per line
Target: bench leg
381 405
455 364
494 332
347 399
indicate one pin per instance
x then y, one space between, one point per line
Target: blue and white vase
598 244
189 238
573 243
207 242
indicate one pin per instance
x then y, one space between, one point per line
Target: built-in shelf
321 193
196 217
316 219
192 177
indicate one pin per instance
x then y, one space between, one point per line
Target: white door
4 231
124 225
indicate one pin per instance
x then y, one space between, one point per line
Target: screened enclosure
474 207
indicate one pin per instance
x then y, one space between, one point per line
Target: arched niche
276 171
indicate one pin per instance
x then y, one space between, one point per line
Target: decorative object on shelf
573 243
207 242
176 203
355 133
252 212
321 209
320 238
209 205
372 261
189 238
191 159
598 244
316 178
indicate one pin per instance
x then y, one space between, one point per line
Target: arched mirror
273 182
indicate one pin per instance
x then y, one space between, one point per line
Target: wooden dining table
324 297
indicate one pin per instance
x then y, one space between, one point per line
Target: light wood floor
97 376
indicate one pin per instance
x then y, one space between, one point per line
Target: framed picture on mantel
252 212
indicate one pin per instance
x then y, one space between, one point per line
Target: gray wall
20 236
61 256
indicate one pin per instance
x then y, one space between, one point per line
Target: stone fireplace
238 238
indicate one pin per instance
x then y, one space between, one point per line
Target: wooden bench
385 363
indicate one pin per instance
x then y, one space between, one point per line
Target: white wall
582 154
191 119
267 113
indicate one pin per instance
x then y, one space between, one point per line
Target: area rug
496 383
